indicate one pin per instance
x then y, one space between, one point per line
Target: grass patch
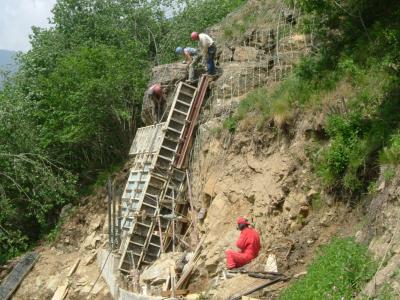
386 292
231 124
391 154
251 16
389 174
317 202
255 101
339 272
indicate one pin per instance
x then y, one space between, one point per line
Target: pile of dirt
71 259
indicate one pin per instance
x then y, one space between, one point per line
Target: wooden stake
159 226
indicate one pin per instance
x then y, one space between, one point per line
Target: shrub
255 101
231 124
339 271
334 160
391 154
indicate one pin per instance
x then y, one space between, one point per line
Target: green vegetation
69 113
387 293
391 154
255 101
338 272
253 15
196 16
353 78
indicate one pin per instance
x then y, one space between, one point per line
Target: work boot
191 82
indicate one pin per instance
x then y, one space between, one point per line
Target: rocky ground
265 177
82 234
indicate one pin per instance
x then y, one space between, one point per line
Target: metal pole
114 219
194 217
109 199
119 219
173 220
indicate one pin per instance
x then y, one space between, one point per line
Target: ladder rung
180 112
186 93
167 148
154 197
148 226
171 139
123 270
165 158
182 102
177 121
172 129
149 205
135 243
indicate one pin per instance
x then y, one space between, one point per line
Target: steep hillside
300 134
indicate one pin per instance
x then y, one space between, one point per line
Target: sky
16 19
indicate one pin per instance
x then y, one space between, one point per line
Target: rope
101 271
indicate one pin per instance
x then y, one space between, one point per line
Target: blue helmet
179 50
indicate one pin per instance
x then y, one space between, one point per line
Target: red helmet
156 89
194 36
242 220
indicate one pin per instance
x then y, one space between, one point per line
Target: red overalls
249 245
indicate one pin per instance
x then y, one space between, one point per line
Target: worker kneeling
248 243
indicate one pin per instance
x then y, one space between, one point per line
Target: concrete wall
110 271
110 267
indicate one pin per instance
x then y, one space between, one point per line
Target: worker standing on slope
156 93
207 48
192 57
248 243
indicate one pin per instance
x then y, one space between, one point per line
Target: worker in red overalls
248 243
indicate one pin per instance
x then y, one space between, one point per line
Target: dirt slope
83 232
264 176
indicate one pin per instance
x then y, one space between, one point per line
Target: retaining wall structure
152 209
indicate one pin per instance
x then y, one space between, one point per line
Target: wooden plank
191 265
255 289
147 139
177 293
74 267
61 292
14 279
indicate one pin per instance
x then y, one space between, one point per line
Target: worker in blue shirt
192 57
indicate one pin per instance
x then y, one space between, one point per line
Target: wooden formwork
150 203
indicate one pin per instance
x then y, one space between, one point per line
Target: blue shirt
191 51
